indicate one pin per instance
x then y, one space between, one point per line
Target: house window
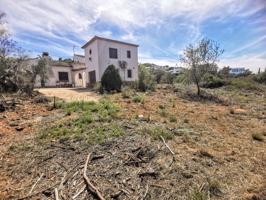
112 53
128 54
90 51
80 76
90 59
63 76
129 73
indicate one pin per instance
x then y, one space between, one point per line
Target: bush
212 81
111 80
126 93
260 78
146 80
172 119
243 83
168 78
139 99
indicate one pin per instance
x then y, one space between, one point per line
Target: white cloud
252 62
57 19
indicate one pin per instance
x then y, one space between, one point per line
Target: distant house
102 52
237 71
83 71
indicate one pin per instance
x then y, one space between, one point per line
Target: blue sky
161 28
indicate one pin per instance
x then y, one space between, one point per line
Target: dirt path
70 94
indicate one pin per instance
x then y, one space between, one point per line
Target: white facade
98 58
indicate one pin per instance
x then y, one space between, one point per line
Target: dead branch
167 146
56 194
79 192
35 184
36 193
91 187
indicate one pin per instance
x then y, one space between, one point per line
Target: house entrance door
92 77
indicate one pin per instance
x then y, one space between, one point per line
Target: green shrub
243 83
212 81
139 99
155 132
126 93
172 119
111 80
167 78
146 80
260 78
163 112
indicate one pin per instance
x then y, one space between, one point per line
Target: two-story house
102 52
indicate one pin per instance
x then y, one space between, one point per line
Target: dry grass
216 156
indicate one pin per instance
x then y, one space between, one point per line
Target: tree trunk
198 87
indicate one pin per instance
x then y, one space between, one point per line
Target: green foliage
201 59
156 131
172 119
139 99
163 113
212 81
111 80
126 93
243 84
168 78
260 78
146 80
83 126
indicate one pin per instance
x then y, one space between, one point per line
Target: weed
156 132
21 147
257 136
243 83
126 93
163 113
139 99
198 194
172 119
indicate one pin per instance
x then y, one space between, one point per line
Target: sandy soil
70 94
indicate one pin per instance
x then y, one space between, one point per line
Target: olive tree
201 58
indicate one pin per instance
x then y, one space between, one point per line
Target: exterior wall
53 76
92 64
105 60
78 58
77 81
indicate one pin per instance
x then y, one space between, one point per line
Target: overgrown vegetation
16 73
146 80
86 122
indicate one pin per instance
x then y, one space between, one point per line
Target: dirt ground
70 94
215 153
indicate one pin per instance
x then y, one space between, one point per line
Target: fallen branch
35 184
91 187
56 194
167 146
79 192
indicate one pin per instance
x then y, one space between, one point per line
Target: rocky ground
215 148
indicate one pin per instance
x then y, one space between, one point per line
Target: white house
237 71
102 52
86 70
